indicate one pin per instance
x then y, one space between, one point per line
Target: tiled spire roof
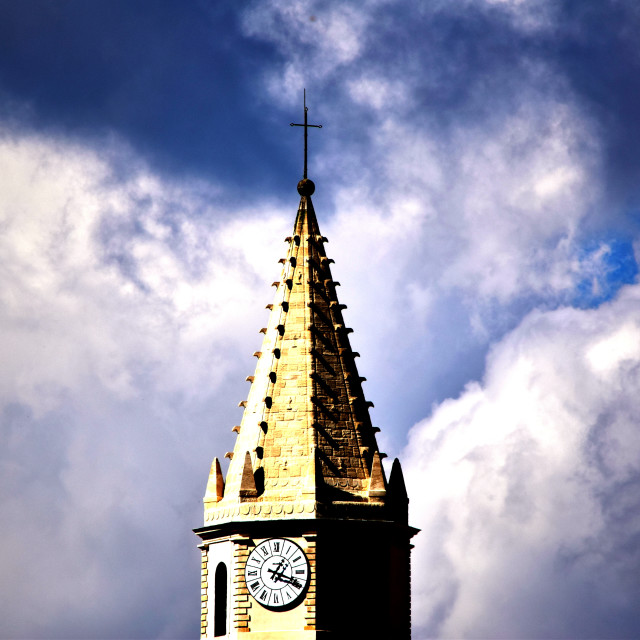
306 446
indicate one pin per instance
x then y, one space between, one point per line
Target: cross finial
306 126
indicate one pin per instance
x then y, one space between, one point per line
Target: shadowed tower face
305 538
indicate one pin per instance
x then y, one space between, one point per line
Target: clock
277 573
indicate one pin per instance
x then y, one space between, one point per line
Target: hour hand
277 573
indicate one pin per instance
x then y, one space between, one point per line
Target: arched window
220 601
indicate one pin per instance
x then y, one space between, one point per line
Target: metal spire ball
306 187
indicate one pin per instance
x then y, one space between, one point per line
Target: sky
477 175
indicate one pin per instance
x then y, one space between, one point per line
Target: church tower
305 538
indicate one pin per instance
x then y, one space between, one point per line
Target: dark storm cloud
173 78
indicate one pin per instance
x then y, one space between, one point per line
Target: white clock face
277 573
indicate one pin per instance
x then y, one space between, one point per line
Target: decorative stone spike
378 485
215 485
263 330
325 260
275 284
248 482
236 429
249 379
269 306
398 493
242 403
257 354
229 455
282 260
288 239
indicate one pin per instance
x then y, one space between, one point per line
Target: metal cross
306 126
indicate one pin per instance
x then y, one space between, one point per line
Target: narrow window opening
220 601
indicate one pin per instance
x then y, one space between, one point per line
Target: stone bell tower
306 538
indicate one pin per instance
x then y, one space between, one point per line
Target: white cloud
525 15
96 270
316 38
523 486
457 232
123 305
379 93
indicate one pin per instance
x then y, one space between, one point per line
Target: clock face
277 573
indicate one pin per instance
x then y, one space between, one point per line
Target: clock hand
292 581
278 572
278 575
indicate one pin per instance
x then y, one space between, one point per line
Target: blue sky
477 177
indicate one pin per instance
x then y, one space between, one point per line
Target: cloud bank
526 486
123 305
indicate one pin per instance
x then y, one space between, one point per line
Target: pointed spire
399 499
306 419
377 485
215 485
248 481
